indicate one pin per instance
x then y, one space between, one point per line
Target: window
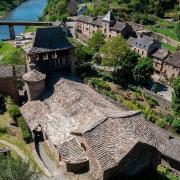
142 52
109 36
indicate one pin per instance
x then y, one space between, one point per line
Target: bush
14 111
110 94
100 84
24 129
3 130
176 125
169 119
151 101
160 123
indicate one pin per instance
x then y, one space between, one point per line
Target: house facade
86 26
171 66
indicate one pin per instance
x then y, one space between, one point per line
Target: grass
169 47
30 29
14 136
10 54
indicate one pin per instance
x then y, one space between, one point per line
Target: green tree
113 50
176 96
177 30
15 169
143 71
96 41
123 75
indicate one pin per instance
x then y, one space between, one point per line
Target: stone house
87 132
159 57
144 45
50 50
8 83
86 26
171 66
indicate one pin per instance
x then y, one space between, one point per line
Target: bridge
11 25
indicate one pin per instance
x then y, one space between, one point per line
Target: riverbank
7 6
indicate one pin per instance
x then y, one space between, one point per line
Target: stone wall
8 87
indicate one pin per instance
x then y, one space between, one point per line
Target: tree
177 30
123 75
143 71
96 41
113 50
176 96
15 169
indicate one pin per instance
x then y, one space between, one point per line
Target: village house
50 50
87 132
144 45
171 66
86 26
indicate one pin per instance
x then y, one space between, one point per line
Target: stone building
35 83
171 66
50 50
144 45
86 26
87 132
8 84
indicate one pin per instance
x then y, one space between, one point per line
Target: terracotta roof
34 76
49 39
6 71
174 59
160 54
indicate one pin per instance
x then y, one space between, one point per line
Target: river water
28 11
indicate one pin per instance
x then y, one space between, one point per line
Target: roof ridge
100 121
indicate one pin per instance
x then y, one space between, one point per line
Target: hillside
7 5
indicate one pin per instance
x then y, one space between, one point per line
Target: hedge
24 129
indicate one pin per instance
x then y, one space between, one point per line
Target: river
28 11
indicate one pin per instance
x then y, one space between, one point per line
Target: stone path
15 148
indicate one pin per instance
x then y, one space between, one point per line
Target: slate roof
49 39
141 42
6 71
114 138
160 54
98 21
108 17
34 76
174 59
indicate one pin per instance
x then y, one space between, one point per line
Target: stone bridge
11 25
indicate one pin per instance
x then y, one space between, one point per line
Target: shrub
162 170
24 129
169 119
14 111
176 125
3 130
160 123
151 101
110 94
100 84
155 87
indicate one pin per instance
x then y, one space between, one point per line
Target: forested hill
7 5
125 9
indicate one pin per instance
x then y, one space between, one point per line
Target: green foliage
15 169
128 63
14 111
96 41
152 101
160 123
3 130
100 84
155 87
24 129
176 96
143 71
176 125
85 70
56 10
169 119
177 30
113 50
